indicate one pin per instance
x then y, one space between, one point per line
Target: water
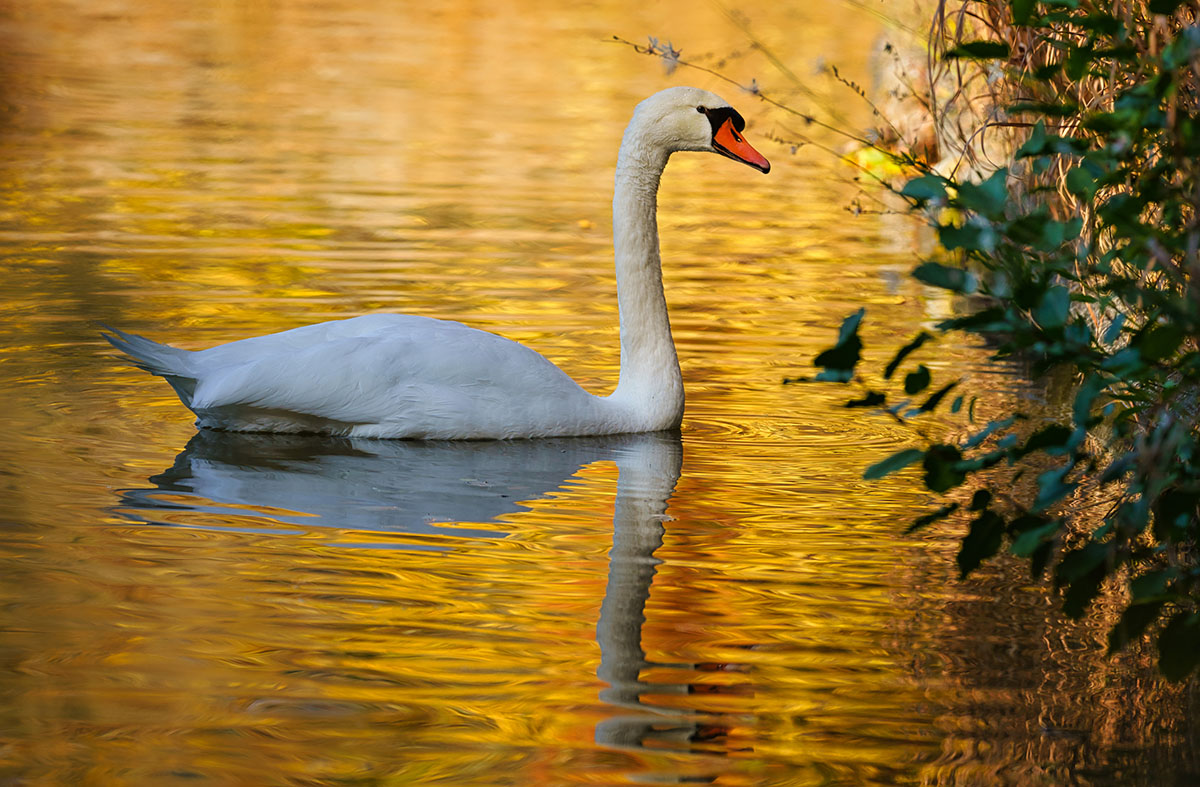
732 604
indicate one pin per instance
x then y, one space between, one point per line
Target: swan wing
384 375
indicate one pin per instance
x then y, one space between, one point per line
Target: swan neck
649 366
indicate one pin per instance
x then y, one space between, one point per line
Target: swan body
402 376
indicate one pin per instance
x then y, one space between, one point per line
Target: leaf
1054 308
1081 183
1160 341
1164 6
936 397
1179 645
896 461
931 517
1047 108
937 275
1078 562
987 431
839 361
871 399
1133 623
1022 10
1052 488
988 197
1076 64
981 542
1028 542
941 468
925 188
1152 584
1175 508
1180 51
1052 436
974 235
1114 329
904 352
917 381
1085 397
979 50
1039 559
1081 592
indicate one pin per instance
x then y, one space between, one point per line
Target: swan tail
170 363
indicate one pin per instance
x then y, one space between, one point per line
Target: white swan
400 376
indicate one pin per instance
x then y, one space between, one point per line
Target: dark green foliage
979 50
897 461
1102 286
915 382
839 361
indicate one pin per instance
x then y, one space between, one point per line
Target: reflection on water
388 486
405 489
732 604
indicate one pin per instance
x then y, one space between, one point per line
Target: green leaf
1180 51
839 361
871 399
979 50
1028 542
904 352
1176 511
1114 329
1179 645
1048 437
983 540
987 431
1164 6
936 397
1044 108
1078 562
1086 397
925 188
1152 584
1052 488
1039 559
1054 309
1078 59
1081 183
931 517
1133 623
897 461
917 381
974 235
988 197
1159 341
937 275
1081 592
941 468
1022 10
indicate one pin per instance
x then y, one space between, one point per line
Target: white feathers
401 376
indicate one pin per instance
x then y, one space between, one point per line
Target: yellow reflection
206 171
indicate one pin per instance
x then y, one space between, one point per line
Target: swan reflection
384 486
426 488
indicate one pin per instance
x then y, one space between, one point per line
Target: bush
1082 256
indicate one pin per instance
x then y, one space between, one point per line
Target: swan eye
702 110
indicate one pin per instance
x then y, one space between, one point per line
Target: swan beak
728 142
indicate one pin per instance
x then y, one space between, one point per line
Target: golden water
731 605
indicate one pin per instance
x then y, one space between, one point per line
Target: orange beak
728 142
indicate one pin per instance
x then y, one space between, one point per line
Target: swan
403 376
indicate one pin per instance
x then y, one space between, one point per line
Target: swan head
687 118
